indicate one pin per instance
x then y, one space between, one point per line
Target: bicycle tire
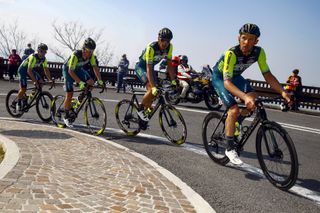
212 101
214 142
127 117
57 111
11 96
44 102
95 116
270 129
166 118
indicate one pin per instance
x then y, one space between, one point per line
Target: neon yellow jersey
234 63
75 60
153 54
34 61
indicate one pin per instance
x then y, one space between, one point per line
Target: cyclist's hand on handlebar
249 101
101 83
154 91
82 85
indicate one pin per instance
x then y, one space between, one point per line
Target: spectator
294 85
1 71
122 72
28 51
13 63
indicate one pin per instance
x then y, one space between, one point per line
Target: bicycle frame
261 116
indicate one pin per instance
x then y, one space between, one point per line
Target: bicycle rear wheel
213 130
277 155
43 106
57 111
172 124
11 102
95 116
127 117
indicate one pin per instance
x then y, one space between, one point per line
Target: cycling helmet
42 47
165 33
175 61
89 43
184 58
295 71
251 29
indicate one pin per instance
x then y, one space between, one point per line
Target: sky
202 29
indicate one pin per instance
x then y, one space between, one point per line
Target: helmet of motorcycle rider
175 61
184 59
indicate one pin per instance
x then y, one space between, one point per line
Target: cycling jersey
230 67
34 62
151 55
78 64
234 63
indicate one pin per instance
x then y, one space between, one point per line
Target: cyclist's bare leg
148 97
67 101
21 92
233 114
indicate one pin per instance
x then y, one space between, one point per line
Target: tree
71 35
11 37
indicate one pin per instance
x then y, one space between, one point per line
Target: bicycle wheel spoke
277 155
127 117
213 138
96 116
43 106
172 124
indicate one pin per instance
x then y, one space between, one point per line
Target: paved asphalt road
227 189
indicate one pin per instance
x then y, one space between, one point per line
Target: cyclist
73 71
184 75
30 66
144 69
228 81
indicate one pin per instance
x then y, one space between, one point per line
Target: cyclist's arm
32 62
274 83
170 68
72 66
95 67
149 61
46 70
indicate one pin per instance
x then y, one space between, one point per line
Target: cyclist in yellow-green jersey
228 81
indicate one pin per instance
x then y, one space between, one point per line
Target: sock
229 140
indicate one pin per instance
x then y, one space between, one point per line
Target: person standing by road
122 72
28 51
14 61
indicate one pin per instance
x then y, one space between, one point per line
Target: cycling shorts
68 80
227 98
141 72
23 74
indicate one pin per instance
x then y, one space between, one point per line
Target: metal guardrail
310 96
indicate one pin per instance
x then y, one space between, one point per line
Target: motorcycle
200 89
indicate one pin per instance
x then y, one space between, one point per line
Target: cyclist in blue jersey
228 81
30 67
73 71
144 69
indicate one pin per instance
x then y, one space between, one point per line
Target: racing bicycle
275 149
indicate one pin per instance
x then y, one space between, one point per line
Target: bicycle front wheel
11 102
43 106
277 155
127 117
172 124
57 111
95 116
213 131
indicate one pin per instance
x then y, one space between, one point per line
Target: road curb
11 156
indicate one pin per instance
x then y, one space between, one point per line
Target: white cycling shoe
142 115
67 122
233 157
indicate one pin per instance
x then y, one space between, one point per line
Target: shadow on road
36 134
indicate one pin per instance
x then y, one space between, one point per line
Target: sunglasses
164 40
88 50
